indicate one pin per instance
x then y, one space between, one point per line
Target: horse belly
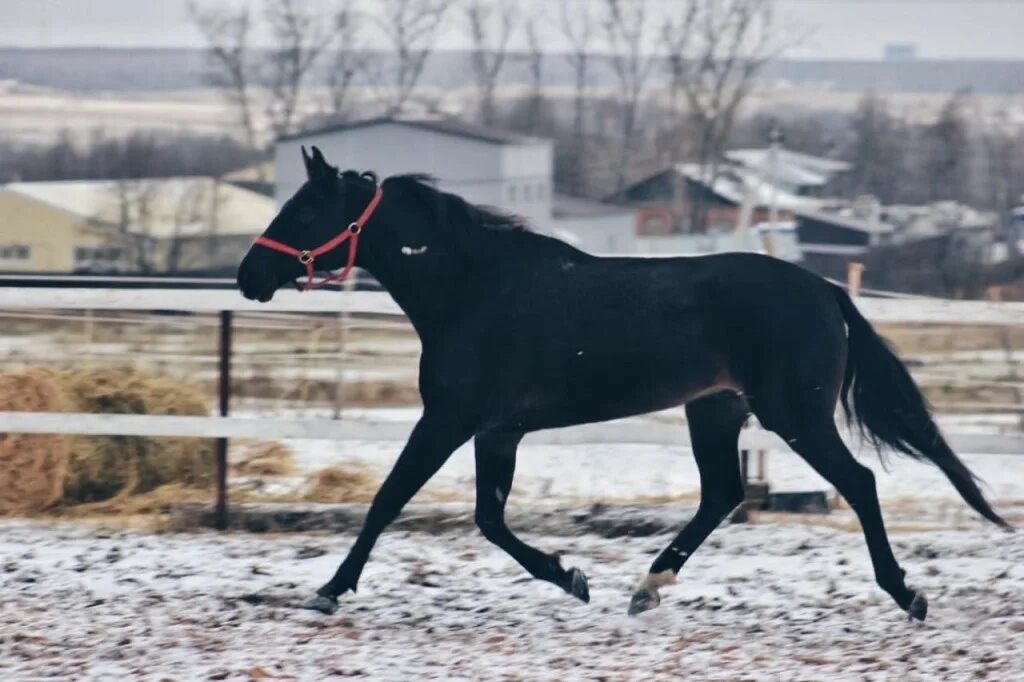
611 389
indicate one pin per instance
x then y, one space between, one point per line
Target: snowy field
759 602
784 598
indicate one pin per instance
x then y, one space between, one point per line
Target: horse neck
427 301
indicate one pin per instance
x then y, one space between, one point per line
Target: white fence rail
388 431
916 310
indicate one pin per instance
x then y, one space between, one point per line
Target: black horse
522 332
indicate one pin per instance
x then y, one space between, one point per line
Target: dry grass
32 467
42 472
263 458
349 483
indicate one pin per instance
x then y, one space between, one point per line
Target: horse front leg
495 467
432 442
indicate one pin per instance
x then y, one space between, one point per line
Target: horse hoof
643 600
325 605
578 585
918 608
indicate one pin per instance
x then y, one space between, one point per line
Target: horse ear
317 168
307 160
318 157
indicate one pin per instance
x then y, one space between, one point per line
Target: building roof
438 124
845 221
185 206
794 168
563 207
738 185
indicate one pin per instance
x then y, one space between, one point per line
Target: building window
15 252
527 192
512 193
97 257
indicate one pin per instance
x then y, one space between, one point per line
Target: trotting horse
522 332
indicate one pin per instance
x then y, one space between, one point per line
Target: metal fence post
220 512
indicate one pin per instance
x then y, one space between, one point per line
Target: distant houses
140 226
484 165
769 200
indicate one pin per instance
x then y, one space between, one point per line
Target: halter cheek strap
308 257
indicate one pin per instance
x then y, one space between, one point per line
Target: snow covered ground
758 602
785 598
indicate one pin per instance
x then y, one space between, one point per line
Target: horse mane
450 208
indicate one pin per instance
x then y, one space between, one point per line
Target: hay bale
349 483
263 458
103 467
32 467
70 470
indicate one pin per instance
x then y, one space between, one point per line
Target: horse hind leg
815 438
715 422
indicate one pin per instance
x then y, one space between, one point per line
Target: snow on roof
846 221
736 185
794 168
182 205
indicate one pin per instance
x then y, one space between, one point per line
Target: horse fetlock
646 596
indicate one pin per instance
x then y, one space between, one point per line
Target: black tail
889 409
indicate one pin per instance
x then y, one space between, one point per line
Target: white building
483 165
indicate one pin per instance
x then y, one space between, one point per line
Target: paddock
768 601
783 597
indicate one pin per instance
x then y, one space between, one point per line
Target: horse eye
306 216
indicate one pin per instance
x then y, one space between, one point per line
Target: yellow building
150 225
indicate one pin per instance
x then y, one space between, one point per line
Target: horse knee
491 526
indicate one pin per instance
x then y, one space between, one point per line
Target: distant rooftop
439 124
177 206
739 185
794 168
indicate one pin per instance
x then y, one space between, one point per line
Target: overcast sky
839 29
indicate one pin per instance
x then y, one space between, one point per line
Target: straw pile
262 458
32 467
40 472
350 483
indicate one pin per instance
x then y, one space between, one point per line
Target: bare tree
229 59
714 67
1002 147
158 226
628 30
490 24
135 207
535 62
878 151
577 24
409 27
299 37
676 36
946 152
348 59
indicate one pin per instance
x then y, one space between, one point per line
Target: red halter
307 257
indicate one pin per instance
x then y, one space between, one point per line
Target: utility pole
767 237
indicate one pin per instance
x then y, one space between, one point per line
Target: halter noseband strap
308 257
